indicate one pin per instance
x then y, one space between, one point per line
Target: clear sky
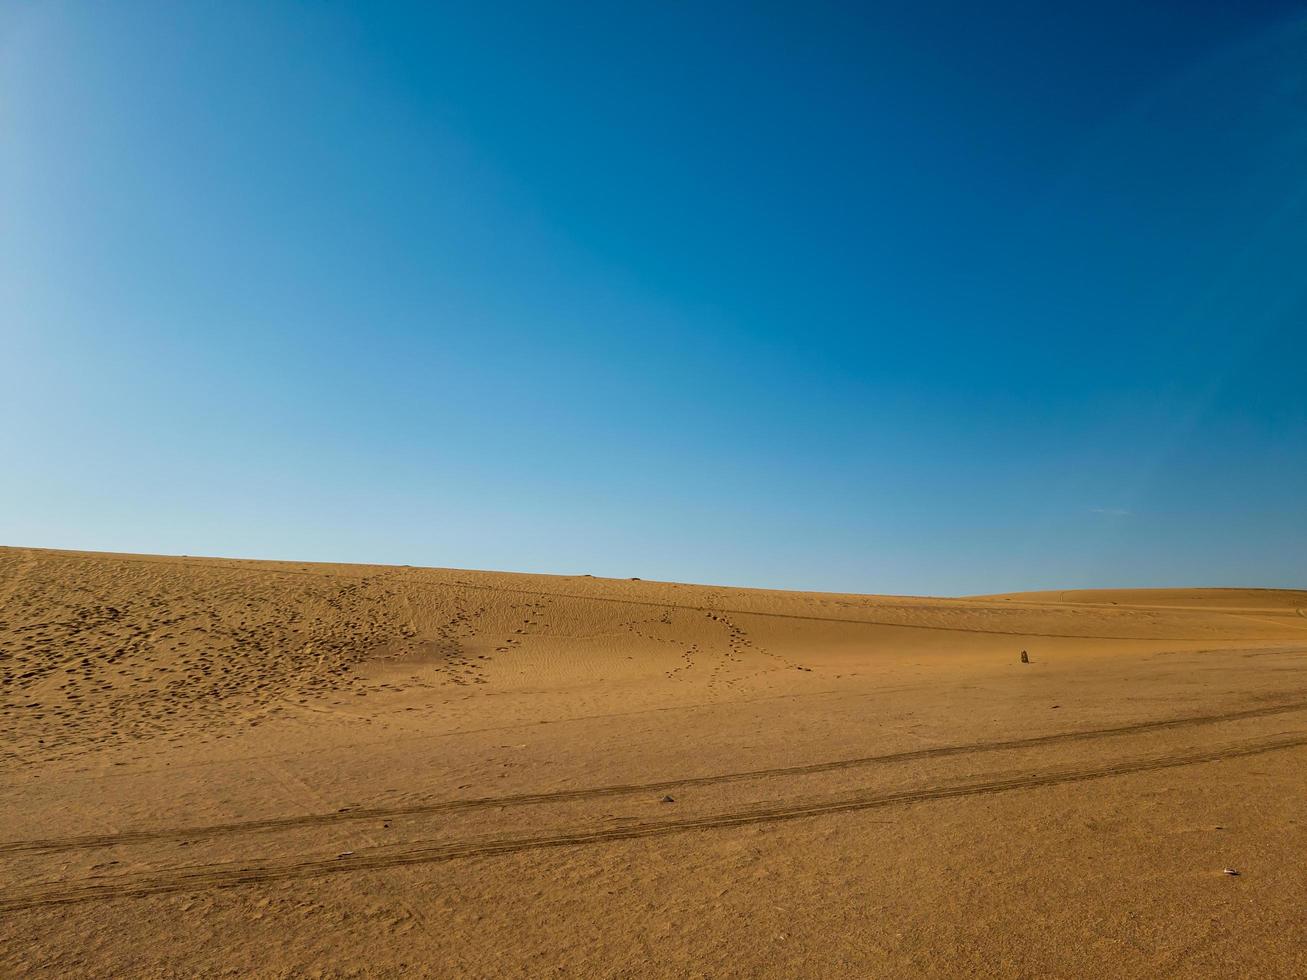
884 297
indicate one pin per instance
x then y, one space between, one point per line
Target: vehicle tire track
205 877
273 824
799 616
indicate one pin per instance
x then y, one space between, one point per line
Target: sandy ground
232 768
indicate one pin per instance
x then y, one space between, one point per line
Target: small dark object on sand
667 799
1231 872
1025 657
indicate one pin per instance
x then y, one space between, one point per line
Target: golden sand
216 767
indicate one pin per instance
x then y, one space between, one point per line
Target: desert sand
245 768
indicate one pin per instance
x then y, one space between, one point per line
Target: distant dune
1217 599
284 769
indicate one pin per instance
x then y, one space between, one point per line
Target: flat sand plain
242 768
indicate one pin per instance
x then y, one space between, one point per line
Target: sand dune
1260 600
286 769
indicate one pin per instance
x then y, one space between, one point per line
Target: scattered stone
667 799
1232 873
344 854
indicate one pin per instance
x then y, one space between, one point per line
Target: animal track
738 646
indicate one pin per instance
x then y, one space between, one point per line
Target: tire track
809 618
205 877
1267 619
273 824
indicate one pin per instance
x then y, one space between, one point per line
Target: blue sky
900 297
